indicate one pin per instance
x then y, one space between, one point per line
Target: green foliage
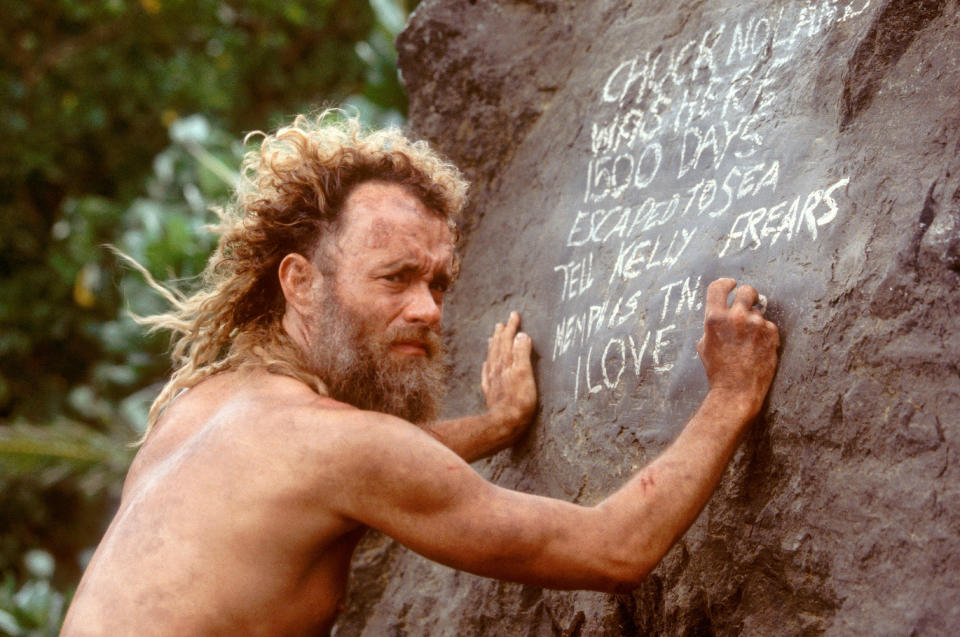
52 453
59 475
88 90
122 121
36 608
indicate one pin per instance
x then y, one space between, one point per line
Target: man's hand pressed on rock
511 392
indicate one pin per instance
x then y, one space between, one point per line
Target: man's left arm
511 393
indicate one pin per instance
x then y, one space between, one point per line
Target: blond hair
289 200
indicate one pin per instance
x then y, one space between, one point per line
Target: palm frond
51 453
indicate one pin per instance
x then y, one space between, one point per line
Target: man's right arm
739 352
394 477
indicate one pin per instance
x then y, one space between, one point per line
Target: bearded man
300 412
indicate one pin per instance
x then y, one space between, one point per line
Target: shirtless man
286 428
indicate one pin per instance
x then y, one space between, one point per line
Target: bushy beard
360 368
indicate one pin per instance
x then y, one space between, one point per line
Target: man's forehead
376 213
385 225
371 195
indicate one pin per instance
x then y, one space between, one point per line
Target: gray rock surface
623 155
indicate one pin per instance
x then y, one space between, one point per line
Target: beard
360 369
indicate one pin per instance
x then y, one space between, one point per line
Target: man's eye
439 286
394 278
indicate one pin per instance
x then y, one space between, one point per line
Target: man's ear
298 280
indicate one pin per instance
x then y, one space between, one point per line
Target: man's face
377 321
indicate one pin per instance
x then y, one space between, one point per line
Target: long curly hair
289 199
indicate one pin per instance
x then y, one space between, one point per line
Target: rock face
624 154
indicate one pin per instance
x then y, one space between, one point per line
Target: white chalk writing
683 161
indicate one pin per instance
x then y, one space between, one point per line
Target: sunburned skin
407 249
232 520
219 521
380 231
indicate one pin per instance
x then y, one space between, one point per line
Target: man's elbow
623 576
625 557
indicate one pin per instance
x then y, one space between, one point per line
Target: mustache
431 338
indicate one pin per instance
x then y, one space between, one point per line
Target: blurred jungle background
122 124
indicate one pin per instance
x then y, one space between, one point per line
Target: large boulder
624 154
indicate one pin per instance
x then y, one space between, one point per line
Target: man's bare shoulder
299 412
273 416
272 443
246 403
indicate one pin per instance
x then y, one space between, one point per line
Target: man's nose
423 307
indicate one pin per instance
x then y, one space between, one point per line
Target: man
284 432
